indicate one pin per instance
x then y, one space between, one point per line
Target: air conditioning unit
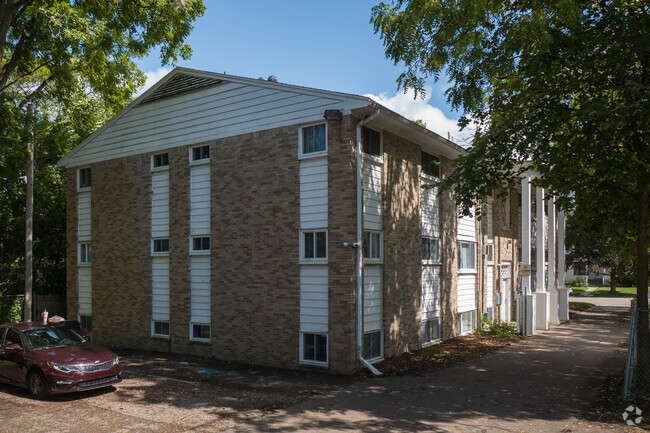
498 300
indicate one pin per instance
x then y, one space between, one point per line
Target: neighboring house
235 218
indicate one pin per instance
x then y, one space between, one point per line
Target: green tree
74 60
561 85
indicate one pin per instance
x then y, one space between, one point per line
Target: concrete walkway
542 384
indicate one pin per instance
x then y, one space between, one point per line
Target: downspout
359 264
482 257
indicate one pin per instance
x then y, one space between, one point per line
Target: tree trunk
643 327
612 279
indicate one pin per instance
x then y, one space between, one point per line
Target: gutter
359 264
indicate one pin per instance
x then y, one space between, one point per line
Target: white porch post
526 300
552 288
563 292
541 294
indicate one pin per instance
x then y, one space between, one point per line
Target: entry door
506 292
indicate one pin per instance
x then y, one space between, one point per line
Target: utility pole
29 219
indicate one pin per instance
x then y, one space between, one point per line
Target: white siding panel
200 289
200 200
430 212
85 291
372 206
430 292
160 288
160 204
372 298
313 193
83 215
466 292
467 228
314 308
490 287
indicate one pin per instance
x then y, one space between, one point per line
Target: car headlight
63 367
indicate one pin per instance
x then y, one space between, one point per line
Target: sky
325 45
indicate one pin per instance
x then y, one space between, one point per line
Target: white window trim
200 340
159 253
194 252
153 327
467 270
162 167
321 153
200 161
381 345
432 262
312 362
374 158
85 188
437 340
317 260
472 326
380 260
487 258
79 262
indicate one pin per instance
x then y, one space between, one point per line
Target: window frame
459 327
434 340
381 345
86 322
373 235
153 247
200 339
201 252
314 362
159 335
430 261
155 167
79 175
377 158
489 247
200 160
466 270
313 260
315 154
88 254
432 156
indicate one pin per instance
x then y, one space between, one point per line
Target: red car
54 359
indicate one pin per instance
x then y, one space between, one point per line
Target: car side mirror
13 348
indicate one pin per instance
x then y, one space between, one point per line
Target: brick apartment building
235 218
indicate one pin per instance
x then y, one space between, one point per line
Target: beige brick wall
72 201
506 244
449 258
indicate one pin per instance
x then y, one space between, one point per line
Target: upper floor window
431 250
84 253
200 153
430 165
200 244
372 246
466 256
84 177
371 142
313 139
160 160
161 246
314 246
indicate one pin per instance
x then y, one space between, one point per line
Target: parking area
166 393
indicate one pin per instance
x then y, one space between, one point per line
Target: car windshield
52 336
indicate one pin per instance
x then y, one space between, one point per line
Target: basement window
200 332
160 329
86 322
314 348
430 331
466 322
372 345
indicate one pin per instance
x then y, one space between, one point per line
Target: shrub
576 282
496 328
11 309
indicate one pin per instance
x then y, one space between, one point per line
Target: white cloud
414 109
152 78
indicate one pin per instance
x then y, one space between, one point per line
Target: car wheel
36 384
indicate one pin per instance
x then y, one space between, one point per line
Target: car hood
86 353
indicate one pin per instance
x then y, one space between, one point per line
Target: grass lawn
577 291
621 292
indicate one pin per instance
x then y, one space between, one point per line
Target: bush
576 282
11 309
496 328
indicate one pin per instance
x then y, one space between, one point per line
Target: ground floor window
372 345
160 328
200 331
466 322
314 347
86 322
490 313
430 331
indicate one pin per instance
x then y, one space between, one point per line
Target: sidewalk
542 384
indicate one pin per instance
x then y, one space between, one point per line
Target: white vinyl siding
85 291
430 292
231 108
160 288
430 212
160 204
83 215
313 193
200 289
313 299
200 200
467 227
371 195
372 298
466 292
489 291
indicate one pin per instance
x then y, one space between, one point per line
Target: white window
372 246
313 348
506 212
466 256
160 329
466 322
84 252
372 345
200 154
371 142
430 331
200 244
489 252
313 246
313 139
160 247
200 332
160 160
84 178
430 250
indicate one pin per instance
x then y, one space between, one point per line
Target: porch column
552 288
525 298
563 293
543 310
